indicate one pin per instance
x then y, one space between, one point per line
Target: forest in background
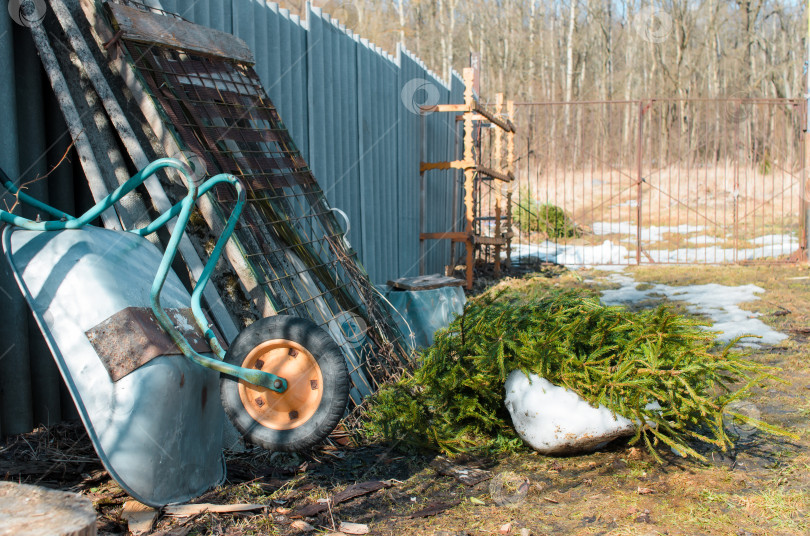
567 50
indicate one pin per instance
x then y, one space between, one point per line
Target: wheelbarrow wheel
317 384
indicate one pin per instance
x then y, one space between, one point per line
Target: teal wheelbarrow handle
182 211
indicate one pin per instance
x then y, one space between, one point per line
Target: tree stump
35 511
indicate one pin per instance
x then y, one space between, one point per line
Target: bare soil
761 488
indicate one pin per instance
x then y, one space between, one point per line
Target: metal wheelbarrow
141 360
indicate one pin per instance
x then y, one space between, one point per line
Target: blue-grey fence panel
334 145
438 182
408 158
419 86
296 114
34 140
377 95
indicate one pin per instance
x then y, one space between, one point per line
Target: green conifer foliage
454 400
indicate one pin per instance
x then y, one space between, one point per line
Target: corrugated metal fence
349 106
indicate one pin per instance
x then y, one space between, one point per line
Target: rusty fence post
639 163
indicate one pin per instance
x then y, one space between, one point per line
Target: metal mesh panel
662 181
288 233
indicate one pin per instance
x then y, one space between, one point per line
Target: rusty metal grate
289 235
663 181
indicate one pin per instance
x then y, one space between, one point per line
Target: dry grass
732 204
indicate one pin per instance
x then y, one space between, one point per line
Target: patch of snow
648 234
556 420
774 240
574 255
718 302
579 255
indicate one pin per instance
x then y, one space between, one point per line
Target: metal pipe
183 212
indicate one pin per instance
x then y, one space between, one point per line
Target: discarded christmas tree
454 400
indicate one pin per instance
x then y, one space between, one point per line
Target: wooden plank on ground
425 282
186 510
154 28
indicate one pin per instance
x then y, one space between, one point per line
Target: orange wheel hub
296 405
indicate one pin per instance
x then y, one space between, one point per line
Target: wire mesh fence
660 181
288 234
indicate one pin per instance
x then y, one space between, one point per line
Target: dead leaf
353 528
302 526
139 517
185 510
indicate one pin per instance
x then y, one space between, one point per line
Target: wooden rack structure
474 170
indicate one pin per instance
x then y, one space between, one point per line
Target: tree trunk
35 511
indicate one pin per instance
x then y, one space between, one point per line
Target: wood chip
549 499
433 509
506 528
139 517
645 491
185 510
353 528
466 475
302 526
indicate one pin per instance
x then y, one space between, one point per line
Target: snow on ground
718 302
572 255
648 234
578 255
773 239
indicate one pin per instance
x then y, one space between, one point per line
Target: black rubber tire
335 383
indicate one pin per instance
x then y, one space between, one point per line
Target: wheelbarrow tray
157 429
